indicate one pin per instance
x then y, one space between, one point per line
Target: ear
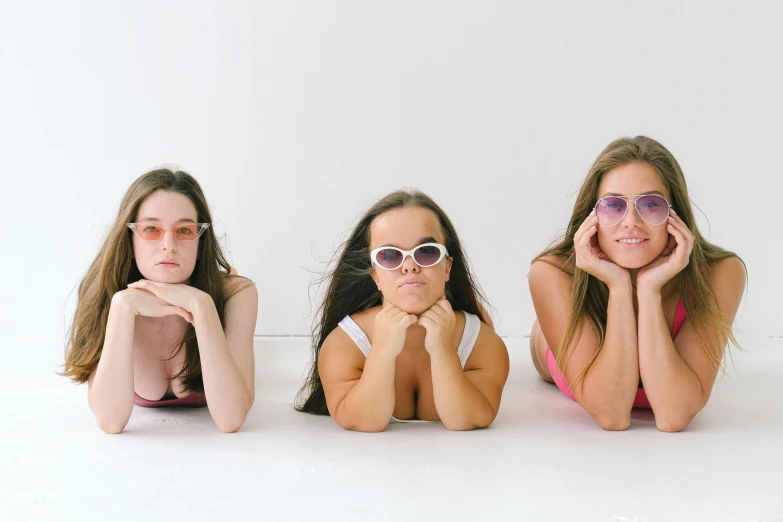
374 276
449 262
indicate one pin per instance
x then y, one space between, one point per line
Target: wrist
442 355
644 291
121 302
622 284
383 354
202 305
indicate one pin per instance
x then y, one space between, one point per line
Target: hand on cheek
674 258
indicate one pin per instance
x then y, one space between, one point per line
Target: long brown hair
351 288
114 268
590 296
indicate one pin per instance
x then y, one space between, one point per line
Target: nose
631 218
168 242
409 265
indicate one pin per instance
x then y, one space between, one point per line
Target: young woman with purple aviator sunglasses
401 334
634 307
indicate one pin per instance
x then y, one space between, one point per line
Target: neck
634 275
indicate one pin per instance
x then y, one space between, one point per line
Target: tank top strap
356 333
469 336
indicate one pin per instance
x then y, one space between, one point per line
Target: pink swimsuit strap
641 398
192 400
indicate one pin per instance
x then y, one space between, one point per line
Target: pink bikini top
191 400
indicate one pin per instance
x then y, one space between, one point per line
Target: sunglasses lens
653 209
149 232
426 255
187 232
389 258
610 211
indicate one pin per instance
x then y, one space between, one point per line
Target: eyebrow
420 242
182 220
614 194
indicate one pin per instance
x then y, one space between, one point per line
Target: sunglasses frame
627 206
405 253
202 227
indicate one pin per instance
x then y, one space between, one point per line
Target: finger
446 305
681 242
584 242
443 309
388 309
398 314
680 225
589 222
429 314
426 322
149 286
176 310
671 244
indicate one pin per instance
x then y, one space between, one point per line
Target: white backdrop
297 116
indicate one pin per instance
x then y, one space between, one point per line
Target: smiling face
410 287
168 260
632 243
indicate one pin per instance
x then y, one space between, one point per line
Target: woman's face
412 288
168 260
632 243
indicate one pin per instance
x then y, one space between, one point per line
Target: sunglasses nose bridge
168 241
408 262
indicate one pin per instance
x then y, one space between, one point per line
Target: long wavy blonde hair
114 268
590 296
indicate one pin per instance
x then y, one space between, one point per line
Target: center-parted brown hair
590 296
114 268
351 288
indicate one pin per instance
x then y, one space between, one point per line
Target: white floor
542 459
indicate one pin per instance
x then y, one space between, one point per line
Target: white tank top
468 341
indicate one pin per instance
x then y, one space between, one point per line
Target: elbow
465 424
613 422
460 425
365 427
673 423
112 427
231 424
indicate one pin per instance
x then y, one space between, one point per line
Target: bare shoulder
366 320
545 274
338 354
728 277
728 270
489 351
234 285
241 306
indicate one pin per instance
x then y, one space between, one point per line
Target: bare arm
678 377
110 386
227 361
360 393
470 398
609 387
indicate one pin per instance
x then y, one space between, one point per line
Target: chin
164 278
632 262
413 305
